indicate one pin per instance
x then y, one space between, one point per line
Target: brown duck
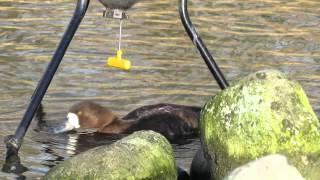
172 121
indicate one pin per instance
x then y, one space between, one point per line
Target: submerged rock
269 167
264 113
200 168
142 155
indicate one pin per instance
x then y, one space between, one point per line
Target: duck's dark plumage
170 120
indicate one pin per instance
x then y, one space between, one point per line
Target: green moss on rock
142 155
261 114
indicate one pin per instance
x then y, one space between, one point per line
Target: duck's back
172 121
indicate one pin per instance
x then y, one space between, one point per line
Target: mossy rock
142 155
264 113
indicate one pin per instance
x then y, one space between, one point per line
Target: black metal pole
14 142
212 65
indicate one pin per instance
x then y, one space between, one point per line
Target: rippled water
243 35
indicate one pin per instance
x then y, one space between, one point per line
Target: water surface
243 35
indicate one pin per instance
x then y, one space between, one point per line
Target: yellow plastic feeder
118 62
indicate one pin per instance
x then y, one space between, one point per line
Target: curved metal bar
197 41
14 142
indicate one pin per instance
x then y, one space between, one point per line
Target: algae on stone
261 114
142 155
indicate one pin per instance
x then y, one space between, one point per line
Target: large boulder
262 114
142 155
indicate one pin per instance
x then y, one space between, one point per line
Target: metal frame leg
204 173
14 142
195 38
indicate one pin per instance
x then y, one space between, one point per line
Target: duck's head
87 115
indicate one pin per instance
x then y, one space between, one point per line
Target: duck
171 120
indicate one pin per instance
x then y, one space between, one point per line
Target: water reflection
244 36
